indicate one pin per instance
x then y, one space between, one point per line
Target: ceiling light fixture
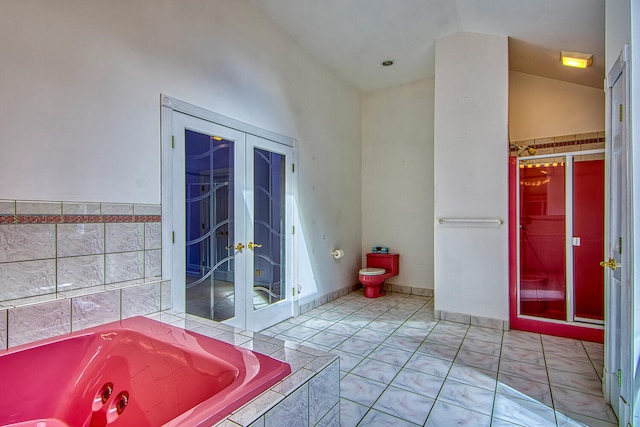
576 59
387 63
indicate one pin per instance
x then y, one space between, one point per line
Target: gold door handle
611 264
238 247
252 245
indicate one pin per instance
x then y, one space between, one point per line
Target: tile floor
400 367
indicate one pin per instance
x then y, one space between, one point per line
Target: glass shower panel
209 173
542 239
269 216
588 226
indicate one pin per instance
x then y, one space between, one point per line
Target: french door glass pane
588 225
209 191
542 239
269 218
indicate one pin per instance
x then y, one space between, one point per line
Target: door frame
169 105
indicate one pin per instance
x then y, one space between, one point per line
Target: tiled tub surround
310 396
66 266
35 318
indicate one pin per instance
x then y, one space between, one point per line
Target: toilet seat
372 271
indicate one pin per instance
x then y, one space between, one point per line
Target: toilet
379 268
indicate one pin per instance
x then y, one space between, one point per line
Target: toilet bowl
379 268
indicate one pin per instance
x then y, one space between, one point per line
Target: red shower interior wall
588 225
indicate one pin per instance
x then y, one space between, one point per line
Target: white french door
231 223
618 331
268 227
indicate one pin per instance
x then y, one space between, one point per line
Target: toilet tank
390 262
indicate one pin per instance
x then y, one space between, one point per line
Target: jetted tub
135 372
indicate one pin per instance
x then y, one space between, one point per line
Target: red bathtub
136 372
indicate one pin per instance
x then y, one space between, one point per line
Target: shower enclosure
558 208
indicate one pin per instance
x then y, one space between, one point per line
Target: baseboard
408 290
485 322
310 305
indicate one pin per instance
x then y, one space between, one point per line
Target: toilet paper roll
337 254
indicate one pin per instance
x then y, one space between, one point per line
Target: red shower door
543 280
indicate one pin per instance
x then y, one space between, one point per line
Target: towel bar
498 221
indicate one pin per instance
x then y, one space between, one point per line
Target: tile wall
66 266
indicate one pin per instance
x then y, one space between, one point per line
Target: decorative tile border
21 212
76 219
118 218
556 144
147 218
575 141
79 219
38 219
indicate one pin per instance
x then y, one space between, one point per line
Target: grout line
546 366
435 399
6 330
495 395
591 361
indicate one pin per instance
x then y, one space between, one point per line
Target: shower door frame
567 327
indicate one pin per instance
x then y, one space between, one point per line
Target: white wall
81 83
397 178
540 107
471 150
617 29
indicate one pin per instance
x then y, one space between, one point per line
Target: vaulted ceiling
353 37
